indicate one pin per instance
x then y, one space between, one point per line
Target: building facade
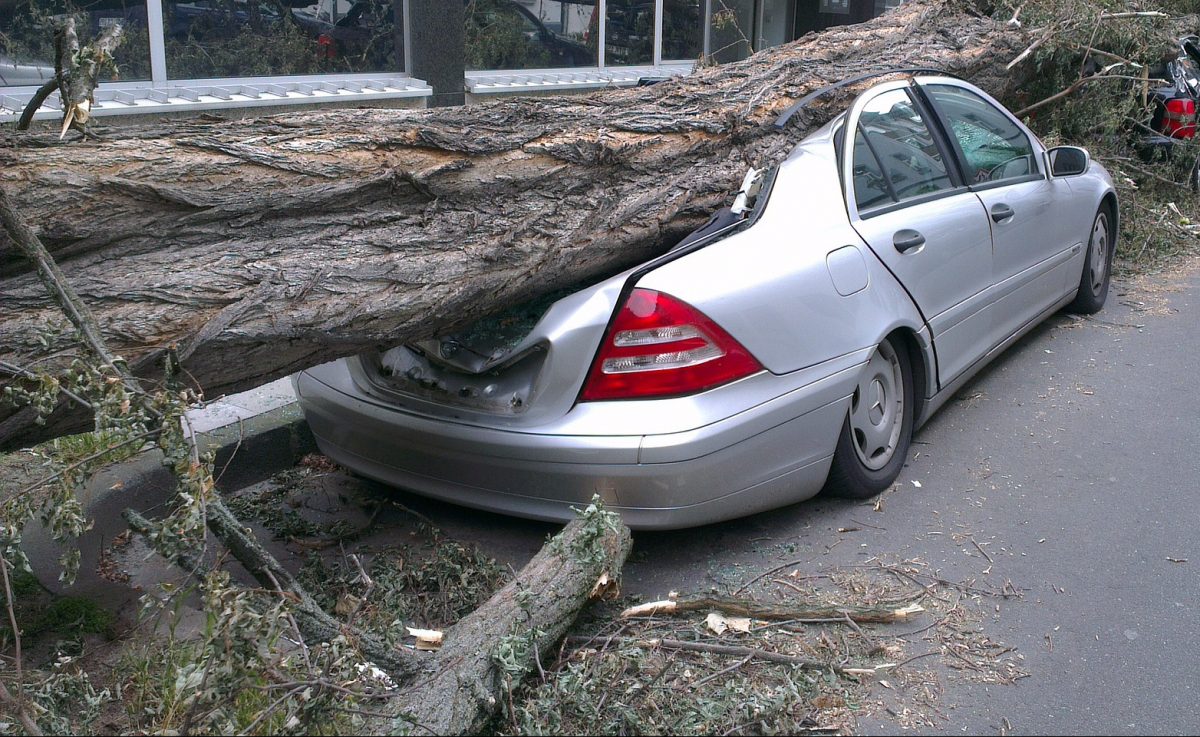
187 55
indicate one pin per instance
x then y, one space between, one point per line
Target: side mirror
1068 161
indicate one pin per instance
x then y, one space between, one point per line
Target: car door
1032 240
919 218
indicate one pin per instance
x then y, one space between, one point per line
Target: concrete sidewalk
252 435
237 408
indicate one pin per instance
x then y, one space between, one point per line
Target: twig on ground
1134 14
367 580
981 550
883 613
763 575
723 671
903 663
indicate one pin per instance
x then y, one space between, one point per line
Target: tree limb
56 284
496 646
314 623
15 703
35 103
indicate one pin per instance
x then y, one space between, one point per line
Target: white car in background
15 73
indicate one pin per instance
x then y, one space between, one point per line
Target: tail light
658 346
326 47
1180 119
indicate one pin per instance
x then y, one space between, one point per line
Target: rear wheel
1097 266
878 428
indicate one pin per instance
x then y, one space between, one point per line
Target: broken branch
760 610
463 685
35 103
1072 89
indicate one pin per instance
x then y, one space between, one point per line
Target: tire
873 444
1097 266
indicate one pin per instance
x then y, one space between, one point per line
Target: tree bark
263 246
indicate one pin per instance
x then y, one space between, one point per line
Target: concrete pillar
434 48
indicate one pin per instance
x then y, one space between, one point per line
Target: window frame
936 132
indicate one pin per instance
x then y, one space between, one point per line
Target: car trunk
525 365
491 367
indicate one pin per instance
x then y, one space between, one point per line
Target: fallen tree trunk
263 246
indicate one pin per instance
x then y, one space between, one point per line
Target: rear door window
895 155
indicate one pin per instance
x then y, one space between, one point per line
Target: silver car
791 345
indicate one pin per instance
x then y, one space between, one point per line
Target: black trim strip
803 102
960 157
984 186
946 143
931 197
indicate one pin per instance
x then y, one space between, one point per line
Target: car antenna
800 104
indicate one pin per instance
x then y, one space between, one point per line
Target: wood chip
427 639
606 588
649 610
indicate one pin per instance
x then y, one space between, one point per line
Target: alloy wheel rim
877 409
1099 260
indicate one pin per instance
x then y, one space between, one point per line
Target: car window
870 188
895 157
994 147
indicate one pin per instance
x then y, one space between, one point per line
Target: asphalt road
1073 462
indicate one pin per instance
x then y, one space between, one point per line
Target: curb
246 452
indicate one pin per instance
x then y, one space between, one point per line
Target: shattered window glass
993 146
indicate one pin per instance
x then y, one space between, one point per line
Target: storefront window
629 34
730 27
774 23
27 37
682 29
503 34
251 38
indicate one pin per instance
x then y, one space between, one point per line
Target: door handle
1002 212
907 240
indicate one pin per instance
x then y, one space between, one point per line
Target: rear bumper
723 470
